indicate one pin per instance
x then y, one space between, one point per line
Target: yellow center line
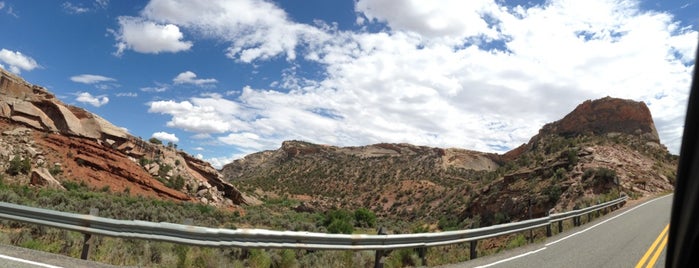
652 261
653 249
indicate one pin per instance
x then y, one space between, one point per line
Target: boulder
42 177
27 113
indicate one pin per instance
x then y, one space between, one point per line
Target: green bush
55 170
339 226
339 221
155 140
364 217
19 166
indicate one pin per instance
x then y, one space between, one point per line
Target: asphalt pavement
631 237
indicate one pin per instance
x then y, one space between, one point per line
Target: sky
226 78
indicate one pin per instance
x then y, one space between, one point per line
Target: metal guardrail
259 238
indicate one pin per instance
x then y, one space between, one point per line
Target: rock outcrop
606 115
99 152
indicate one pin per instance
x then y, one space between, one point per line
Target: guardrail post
548 230
422 252
531 232
87 239
560 226
378 259
472 248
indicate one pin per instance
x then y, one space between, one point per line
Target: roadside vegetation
365 193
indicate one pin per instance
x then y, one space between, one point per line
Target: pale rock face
35 108
42 177
26 112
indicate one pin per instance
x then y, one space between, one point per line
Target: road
16 257
632 237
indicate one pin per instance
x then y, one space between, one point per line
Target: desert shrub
339 221
364 217
259 258
175 183
553 192
155 140
19 166
448 222
572 157
55 170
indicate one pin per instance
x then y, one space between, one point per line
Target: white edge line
604 221
29 262
564 238
511 258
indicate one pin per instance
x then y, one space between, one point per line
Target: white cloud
127 94
17 61
9 10
202 115
254 29
148 37
91 79
487 80
97 101
70 8
164 136
159 87
447 18
102 3
219 162
189 77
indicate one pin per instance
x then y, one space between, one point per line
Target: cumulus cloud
97 101
91 79
254 29
202 115
17 61
487 80
449 18
148 37
164 136
189 77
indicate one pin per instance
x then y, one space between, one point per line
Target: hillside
600 150
47 143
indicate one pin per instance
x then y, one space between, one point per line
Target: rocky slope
600 150
54 143
391 179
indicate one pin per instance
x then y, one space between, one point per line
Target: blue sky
226 78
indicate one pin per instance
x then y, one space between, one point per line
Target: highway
631 237
16 257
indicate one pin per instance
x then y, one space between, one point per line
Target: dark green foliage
553 192
339 221
339 226
144 161
560 173
364 217
55 170
155 140
572 157
19 166
448 223
176 183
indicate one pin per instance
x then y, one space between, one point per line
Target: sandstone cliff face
604 147
90 149
606 115
601 149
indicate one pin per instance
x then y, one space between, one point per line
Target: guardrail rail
259 238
